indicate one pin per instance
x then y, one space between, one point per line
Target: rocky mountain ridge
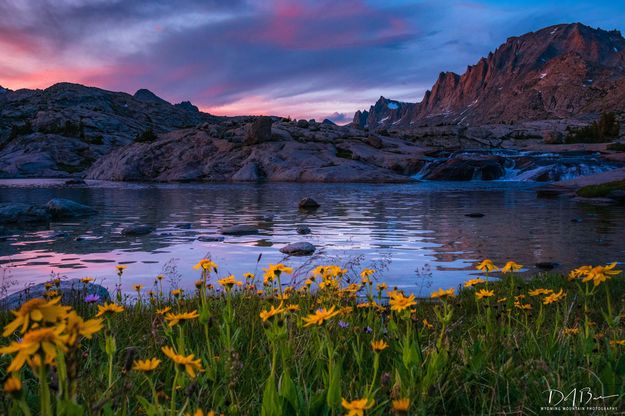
559 72
64 128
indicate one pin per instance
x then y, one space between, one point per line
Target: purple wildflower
93 298
368 330
343 324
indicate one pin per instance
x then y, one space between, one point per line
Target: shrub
601 190
21 130
146 136
597 132
617 147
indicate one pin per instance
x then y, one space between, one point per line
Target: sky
304 59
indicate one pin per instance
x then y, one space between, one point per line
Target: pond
416 234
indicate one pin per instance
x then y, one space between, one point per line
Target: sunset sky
312 59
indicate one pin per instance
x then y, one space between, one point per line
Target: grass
602 190
262 347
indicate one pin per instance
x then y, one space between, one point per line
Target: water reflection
420 227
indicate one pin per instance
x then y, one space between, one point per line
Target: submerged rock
308 203
547 265
298 249
210 238
474 215
20 213
65 208
137 230
466 168
72 291
75 182
302 229
240 230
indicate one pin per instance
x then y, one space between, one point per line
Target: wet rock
550 192
137 230
184 226
75 182
210 238
465 168
72 291
308 203
259 131
65 208
298 249
546 265
57 234
474 215
250 172
302 229
240 230
20 213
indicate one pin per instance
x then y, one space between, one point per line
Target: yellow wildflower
190 363
440 293
228 282
400 302
511 267
570 331
174 318
620 342
379 345
205 264
401 405
381 287
540 291
78 327
600 274
273 311
554 297
146 366
12 385
357 407
176 292
320 316
579 272
427 324
45 340
275 270
522 306
487 266
473 282
483 293
35 312
138 287
109 308
163 311
87 279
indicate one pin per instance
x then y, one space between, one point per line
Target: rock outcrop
222 152
62 130
558 72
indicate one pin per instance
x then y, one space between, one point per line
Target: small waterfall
526 166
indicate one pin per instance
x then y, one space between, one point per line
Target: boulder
250 172
72 291
137 230
553 137
259 131
303 124
302 229
241 229
75 182
298 249
20 213
65 208
184 226
374 141
308 203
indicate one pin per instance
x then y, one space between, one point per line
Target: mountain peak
146 95
544 74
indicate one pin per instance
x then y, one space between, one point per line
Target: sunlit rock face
561 71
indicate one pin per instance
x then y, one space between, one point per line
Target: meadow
338 342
